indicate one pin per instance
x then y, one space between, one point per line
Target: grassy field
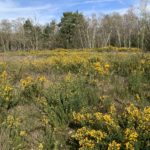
69 99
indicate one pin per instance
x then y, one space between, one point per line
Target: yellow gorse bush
42 79
4 75
101 69
40 146
131 135
23 133
6 90
26 82
45 120
13 122
134 120
86 136
114 146
129 146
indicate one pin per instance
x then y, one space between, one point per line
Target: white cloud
11 9
26 9
7 6
92 2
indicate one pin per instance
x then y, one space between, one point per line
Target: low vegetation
73 99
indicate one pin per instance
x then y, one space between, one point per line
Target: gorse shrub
127 129
31 88
6 91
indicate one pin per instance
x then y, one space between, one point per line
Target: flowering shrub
127 129
31 88
6 91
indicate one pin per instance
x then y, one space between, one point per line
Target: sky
46 10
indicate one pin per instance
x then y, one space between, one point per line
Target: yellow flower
142 61
42 101
107 66
68 77
147 114
97 65
42 79
86 144
112 109
78 117
40 147
97 135
10 120
98 68
129 146
4 75
23 133
26 82
138 97
132 113
147 110
114 146
98 116
107 118
45 120
88 138
103 98
131 135
8 89
13 122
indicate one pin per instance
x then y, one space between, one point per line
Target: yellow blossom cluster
45 120
103 98
107 119
101 69
12 121
114 146
40 146
134 120
69 77
132 113
113 110
42 79
86 136
4 75
130 137
27 81
98 116
143 124
23 133
78 117
6 92
106 67
42 101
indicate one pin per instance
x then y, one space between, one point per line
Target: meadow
75 99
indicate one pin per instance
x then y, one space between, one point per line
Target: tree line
75 31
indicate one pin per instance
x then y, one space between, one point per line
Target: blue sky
46 10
